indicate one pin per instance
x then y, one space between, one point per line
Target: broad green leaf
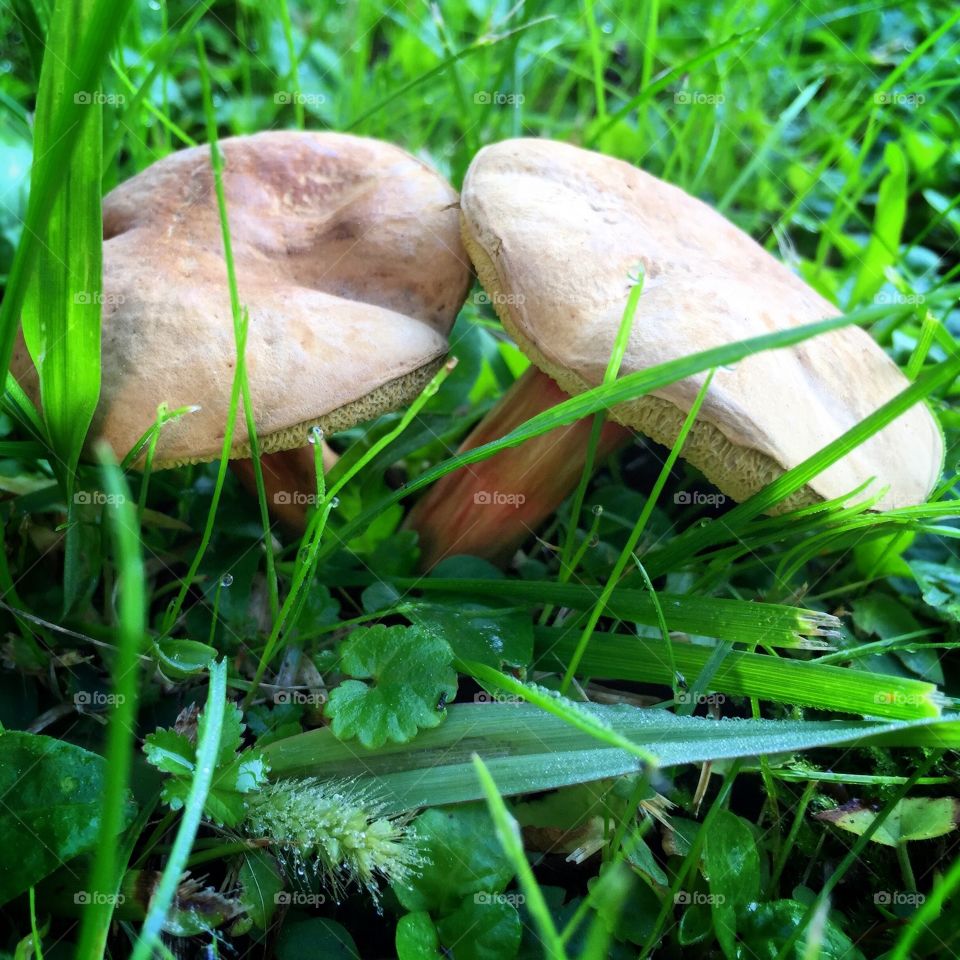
170 752
764 928
463 858
411 677
260 882
483 927
914 818
732 865
887 617
52 793
180 659
642 861
417 938
940 585
316 937
492 635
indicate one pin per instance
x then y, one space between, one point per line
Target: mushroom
555 232
348 260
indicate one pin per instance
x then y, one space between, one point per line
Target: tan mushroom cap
348 258
555 231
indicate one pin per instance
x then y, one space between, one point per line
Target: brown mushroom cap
555 232
348 259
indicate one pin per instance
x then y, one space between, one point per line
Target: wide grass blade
528 750
737 621
97 31
615 656
61 315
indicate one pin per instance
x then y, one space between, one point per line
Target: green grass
821 641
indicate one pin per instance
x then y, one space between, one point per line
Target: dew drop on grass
314 435
597 510
226 580
334 503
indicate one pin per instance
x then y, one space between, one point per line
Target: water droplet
705 522
334 503
314 435
226 580
597 510
594 540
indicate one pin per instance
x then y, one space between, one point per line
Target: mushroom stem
290 482
488 509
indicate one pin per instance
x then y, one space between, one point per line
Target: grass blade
99 29
528 750
739 621
779 680
105 872
206 761
508 833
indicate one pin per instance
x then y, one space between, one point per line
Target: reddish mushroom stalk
488 509
290 482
